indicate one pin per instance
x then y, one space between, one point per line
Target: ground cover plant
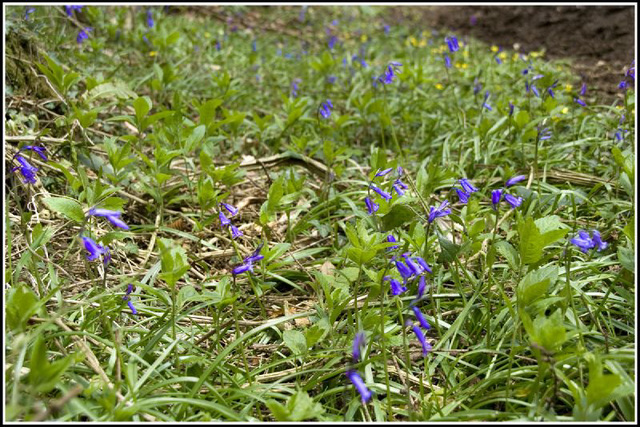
309 213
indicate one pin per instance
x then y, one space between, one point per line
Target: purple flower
477 86
331 79
133 309
579 102
37 149
371 205
94 249
359 384
485 104
235 232
83 35
544 134
511 107
358 344
631 72
112 216
404 271
622 85
583 241
28 11
467 186
452 42
382 193
224 221
598 241
325 109
391 239
294 87
514 180
534 89
332 42
447 61
464 197
27 170
149 18
386 28
231 209
496 196
438 212
384 172
473 20
415 268
396 287
420 317
426 347
583 89
423 264
218 45
247 264
422 285
514 201
70 9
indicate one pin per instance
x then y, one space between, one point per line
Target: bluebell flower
514 201
70 9
371 205
422 285
534 89
95 250
477 86
38 149
452 42
579 102
224 221
382 193
598 241
447 61
149 18
631 72
420 317
398 186
423 264
332 42
294 87
511 107
235 232
426 347
247 263
464 197
133 309
622 85
231 209
485 104
254 46
496 196
112 216
544 134
384 172
127 298
415 268
28 11
355 378
583 241
27 170
399 171
358 344
325 109
438 212
386 28
391 239
467 186
515 179
404 271
396 287
331 79
218 45
583 89
83 35
390 73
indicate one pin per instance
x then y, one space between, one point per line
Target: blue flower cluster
226 222
398 186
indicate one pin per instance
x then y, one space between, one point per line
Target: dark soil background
599 39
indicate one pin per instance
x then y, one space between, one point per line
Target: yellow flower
207 34
568 88
435 51
494 48
537 54
414 41
565 110
503 56
439 86
465 53
422 43
363 38
514 57
153 53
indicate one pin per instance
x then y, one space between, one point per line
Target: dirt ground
600 39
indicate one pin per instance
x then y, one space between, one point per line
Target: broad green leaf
535 284
398 215
296 341
68 207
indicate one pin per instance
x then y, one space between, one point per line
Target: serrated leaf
509 253
118 90
68 207
535 284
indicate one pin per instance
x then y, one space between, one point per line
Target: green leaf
509 252
21 305
317 332
448 249
194 138
142 105
521 119
68 207
627 258
549 332
296 341
398 215
118 90
535 284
